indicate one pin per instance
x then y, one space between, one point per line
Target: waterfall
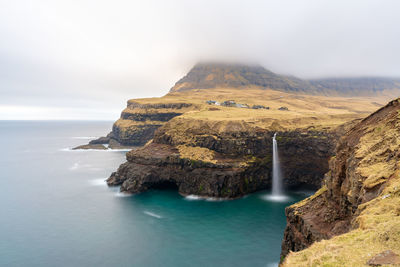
277 190
276 170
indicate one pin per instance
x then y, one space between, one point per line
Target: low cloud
98 54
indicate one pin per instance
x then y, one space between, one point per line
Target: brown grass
197 153
304 110
379 230
377 227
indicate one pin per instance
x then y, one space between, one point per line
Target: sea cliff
223 159
252 87
354 219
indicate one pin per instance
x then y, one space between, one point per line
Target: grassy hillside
303 110
370 187
220 75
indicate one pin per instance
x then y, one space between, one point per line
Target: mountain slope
358 86
206 76
220 75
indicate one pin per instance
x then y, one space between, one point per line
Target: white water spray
276 169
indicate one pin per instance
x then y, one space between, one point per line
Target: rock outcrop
358 207
161 166
137 124
223 159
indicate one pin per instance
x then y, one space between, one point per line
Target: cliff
354 219
249 86
202 147
138 122
223 159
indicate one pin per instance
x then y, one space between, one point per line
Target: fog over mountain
85 59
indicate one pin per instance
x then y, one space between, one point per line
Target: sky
84 59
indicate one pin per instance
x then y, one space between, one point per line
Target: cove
58 211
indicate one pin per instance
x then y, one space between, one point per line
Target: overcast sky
84 59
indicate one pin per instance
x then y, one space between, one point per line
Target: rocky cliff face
137 124
141 118
162 166
223 159
357 208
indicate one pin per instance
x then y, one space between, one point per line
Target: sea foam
193 197
152 214
196 197
123 194
276 198
84 137
98 182
74 167
68 149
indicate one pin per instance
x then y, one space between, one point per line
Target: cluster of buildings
232 103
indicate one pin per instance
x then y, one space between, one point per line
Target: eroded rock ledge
226 160
137 124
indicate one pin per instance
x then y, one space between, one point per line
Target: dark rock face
138 124
303 155
243 166
333 209
145 120
312 222
136 135
159 165
102 140
91 146
149 116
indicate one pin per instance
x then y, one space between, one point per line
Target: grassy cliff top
303 110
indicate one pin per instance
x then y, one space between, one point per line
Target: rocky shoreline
240 161
137 125
225 153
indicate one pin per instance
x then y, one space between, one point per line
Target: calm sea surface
56 210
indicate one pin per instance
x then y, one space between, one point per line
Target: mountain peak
207 75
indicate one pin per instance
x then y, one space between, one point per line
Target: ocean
56 209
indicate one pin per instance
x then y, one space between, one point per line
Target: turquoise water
57 211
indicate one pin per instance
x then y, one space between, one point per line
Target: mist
85 59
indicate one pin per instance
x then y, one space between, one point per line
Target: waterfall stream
276 169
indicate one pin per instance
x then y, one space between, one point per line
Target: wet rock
91 146
135 135
101 140
114 144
